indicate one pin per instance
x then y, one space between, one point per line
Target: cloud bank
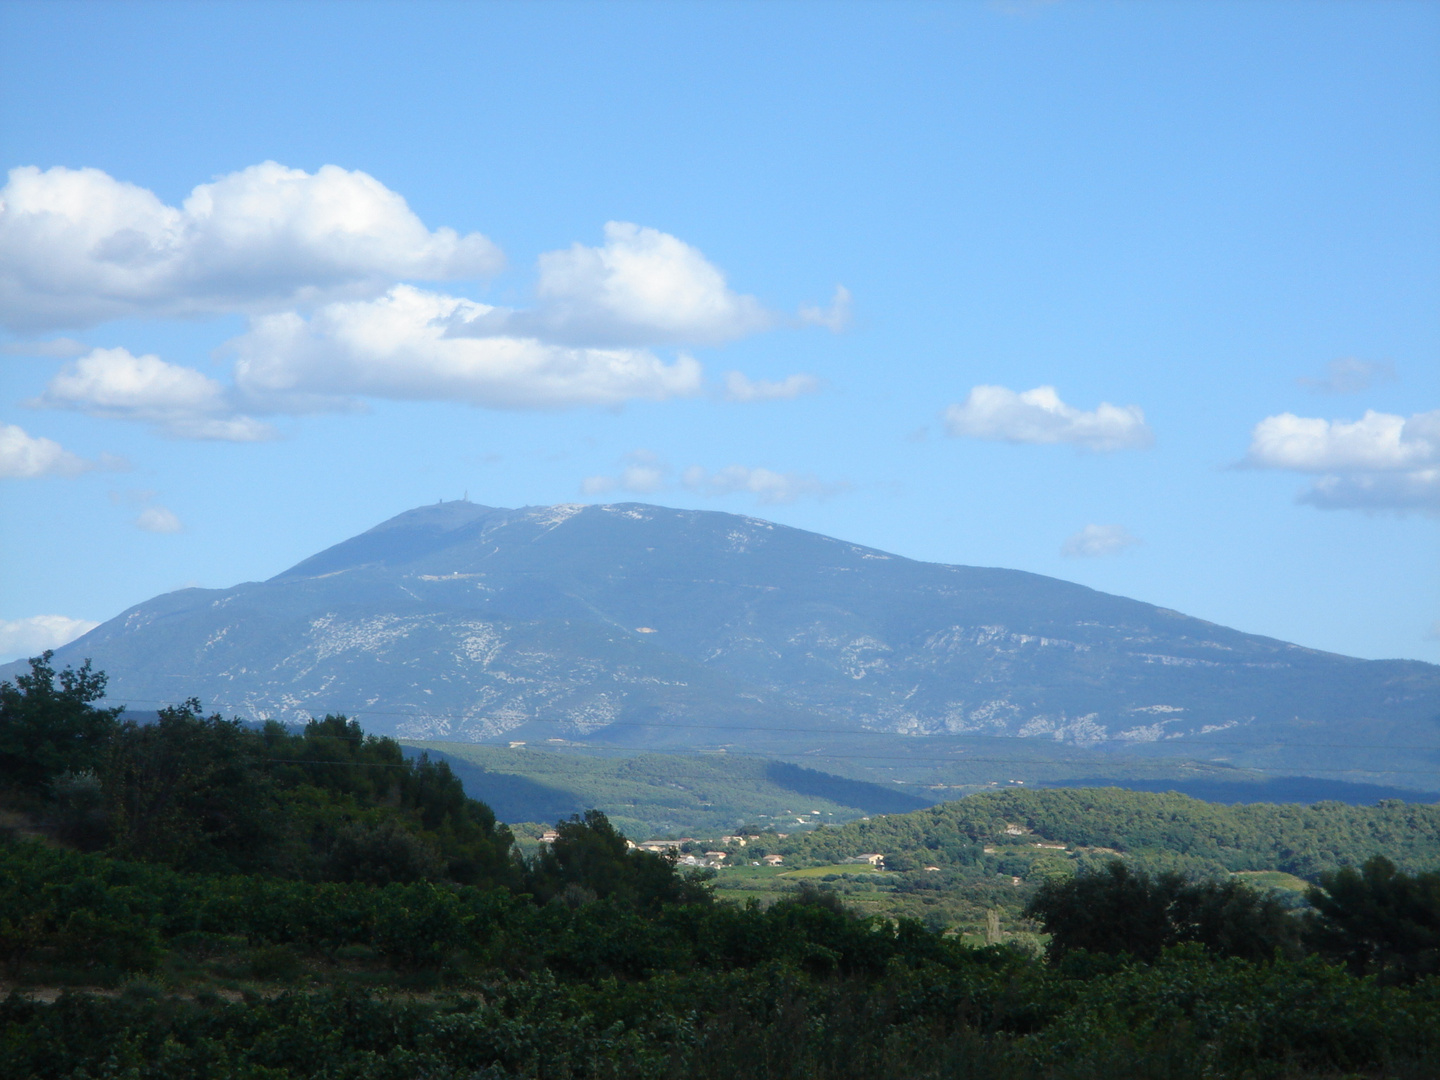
78 247
1039 416
1380 462
32 636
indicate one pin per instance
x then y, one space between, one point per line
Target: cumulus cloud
32 636
177 401
1039 416
740 388
1375 441
158 519
1380 462
834 318
78 247
397 347
643 287
767 486
1348 375
24 456
1096 541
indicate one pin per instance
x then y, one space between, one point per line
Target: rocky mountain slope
654 627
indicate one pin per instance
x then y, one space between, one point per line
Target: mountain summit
647 626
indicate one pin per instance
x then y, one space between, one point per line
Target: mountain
658 628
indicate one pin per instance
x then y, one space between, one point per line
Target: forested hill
1156 830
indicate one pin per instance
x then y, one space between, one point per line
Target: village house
662 846
773 860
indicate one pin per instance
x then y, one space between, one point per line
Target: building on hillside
661 846
874 858
773 860
549 836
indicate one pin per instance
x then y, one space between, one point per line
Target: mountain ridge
653 627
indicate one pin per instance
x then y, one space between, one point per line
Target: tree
1378 920
589 857
49 725
1116 910
187 790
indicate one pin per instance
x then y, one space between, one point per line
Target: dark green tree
590 859
189 790
1378 920
1116 910
49 725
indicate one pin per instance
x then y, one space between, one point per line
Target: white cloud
1380 462
62 348
1095 541
1348 375
177 401
644 287
740 388
23 456
834 318
1039 416
768 486
1377 441
32 636
158 519
78 247
398 347
643 473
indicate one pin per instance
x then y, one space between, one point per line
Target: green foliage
1154 832
1116 910
589 860
187 791
208 794
49 725
1379 920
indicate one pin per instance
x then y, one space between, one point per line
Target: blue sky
518 250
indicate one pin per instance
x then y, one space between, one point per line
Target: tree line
196 852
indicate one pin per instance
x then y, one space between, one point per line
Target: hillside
650 795
641 626
1022 833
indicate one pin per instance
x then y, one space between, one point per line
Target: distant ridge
641 626
1279 789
